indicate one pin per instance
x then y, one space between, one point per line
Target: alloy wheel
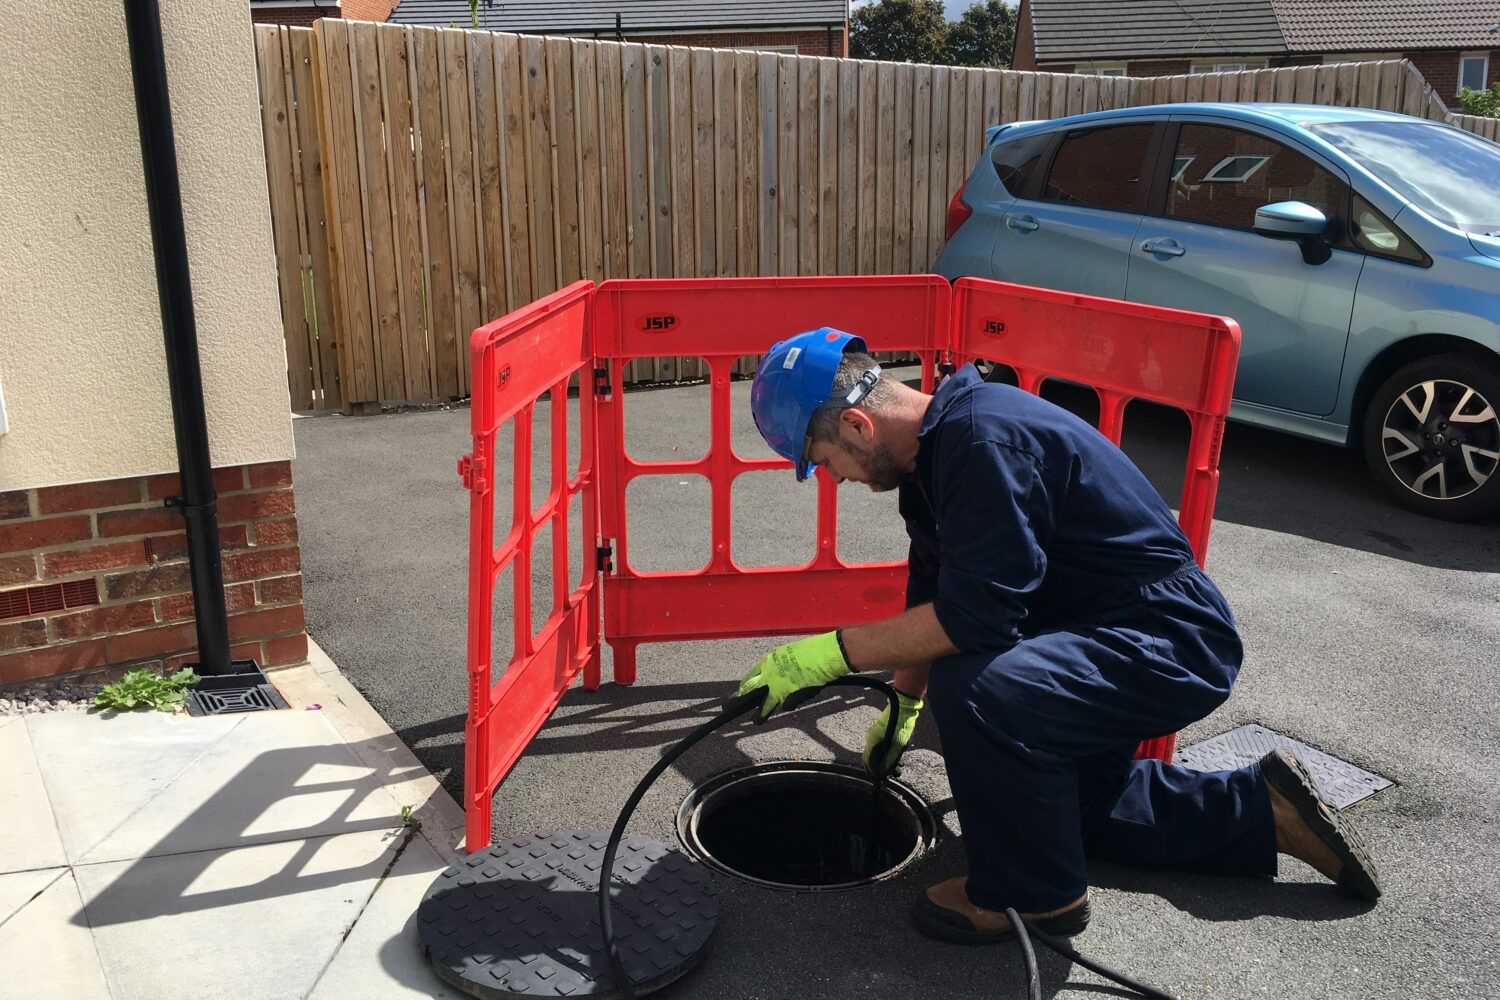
1441 439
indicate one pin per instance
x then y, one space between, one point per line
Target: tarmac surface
1371 633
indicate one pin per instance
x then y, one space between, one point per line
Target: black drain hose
737 707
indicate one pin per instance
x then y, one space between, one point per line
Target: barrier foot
592 671
624 671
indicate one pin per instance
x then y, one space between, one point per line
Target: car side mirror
1295 220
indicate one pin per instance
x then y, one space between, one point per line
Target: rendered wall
82 363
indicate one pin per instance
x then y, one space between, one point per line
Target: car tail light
958 211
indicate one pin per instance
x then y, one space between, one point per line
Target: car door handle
1167 248
1022 223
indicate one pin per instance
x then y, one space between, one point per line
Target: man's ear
859 422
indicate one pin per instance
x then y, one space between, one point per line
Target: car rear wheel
1432 436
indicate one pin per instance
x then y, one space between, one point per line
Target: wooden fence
424 181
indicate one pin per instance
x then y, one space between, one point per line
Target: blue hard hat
793 380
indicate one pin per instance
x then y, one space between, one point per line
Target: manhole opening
804 826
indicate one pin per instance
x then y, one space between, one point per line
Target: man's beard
880 470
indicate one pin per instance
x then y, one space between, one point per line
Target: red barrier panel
517 359
722 320
1123 351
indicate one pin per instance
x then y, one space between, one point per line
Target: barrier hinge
601 382
475 473
606 554
945 365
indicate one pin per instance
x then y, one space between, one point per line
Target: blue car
1358 250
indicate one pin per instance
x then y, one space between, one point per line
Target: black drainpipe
164 199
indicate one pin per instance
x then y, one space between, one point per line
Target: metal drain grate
244 690
1340 782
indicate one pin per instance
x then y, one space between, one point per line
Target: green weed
143 688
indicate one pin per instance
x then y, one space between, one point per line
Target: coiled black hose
737 707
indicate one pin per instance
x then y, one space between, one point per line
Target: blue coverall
1084 626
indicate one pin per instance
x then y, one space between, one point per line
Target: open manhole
804 826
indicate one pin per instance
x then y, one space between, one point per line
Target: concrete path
256 857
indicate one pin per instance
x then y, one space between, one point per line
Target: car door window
1017 160
1220 176
1100 168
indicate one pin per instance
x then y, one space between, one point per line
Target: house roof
573 17
1375 25
1080 30
1070 30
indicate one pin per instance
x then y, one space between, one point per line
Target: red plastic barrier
515 361
722 320
1123 351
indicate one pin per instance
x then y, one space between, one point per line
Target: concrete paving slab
91 792
250 923
46 953
29 837
382 956
274 776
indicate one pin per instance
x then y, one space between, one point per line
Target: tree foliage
899 31
985 35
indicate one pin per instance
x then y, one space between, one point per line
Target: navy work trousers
1039 740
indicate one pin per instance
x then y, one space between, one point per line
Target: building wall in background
82 365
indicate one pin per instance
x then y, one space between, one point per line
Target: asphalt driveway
1371 633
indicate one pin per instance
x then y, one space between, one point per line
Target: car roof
1297 115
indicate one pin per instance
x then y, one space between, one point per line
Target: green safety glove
801 666
906 721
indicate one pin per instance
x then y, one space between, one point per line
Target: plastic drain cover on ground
1341 782
521 918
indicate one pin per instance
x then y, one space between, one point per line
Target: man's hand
906 722
797 666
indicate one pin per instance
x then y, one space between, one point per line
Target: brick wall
1024 56
1159 67
1440 69
118 536
300 17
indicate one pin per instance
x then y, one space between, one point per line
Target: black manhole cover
521 918
804 826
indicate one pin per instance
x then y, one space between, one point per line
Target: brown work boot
1311 830
945 912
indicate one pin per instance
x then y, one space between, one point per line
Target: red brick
23 635
283 532
161 580
281 590
50 660
248 651
256 624
16 503
150 642
270 474
147 521
88 496
103 621
258 563
227 480
19 535
289 649
164 548
179 607
250 506
116 556
17 569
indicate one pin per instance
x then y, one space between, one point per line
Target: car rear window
1015 161
1100 168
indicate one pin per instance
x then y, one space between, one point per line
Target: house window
1228 67
1473 71
1180 165
1231 169
1099 70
